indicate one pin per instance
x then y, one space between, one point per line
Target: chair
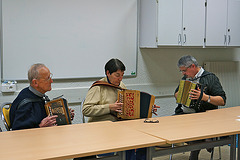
5 107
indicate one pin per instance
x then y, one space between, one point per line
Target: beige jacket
96 104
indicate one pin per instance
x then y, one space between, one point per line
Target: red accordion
136 104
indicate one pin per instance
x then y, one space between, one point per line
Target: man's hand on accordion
117 107
154 109
195 94
48 121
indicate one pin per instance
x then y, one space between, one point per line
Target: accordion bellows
59 107
136 104
183 92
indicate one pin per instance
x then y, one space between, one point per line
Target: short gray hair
187 61
33 72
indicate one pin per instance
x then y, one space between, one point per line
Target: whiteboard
73 38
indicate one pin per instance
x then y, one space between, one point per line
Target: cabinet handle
229 39
185 38
179 39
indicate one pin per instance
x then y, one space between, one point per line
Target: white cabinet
171 23
233 23
181 22
204 23
148 24
223 23
193 22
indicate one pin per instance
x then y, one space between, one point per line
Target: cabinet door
148 24
216 22
233 35
169 22
193 22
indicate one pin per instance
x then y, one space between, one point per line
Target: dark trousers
194 154
136 154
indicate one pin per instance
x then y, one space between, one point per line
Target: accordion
183 92
59 107
136 104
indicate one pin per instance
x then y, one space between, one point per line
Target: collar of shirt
36 92
197 76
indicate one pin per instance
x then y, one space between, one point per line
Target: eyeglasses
49 78
185 70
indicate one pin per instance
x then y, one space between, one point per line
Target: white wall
157 73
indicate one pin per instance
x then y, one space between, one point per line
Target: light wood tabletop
70 141
190 127
226 113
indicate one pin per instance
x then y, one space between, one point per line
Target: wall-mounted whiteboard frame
74 38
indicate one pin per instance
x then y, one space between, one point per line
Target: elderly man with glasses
209 94
27 110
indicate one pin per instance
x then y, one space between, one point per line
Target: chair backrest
5 115
84 119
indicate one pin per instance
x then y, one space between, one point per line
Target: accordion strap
98 83
198 103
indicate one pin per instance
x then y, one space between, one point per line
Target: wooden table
70 141
232 113
191 127
79 140
226 113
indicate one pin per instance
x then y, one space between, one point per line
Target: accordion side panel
146 104
59 107
68 114
131 104
180 91
185 94
152 101
188 102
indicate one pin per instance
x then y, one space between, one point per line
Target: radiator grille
228 73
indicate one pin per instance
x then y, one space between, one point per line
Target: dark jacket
29 115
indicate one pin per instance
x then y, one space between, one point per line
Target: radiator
228 74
